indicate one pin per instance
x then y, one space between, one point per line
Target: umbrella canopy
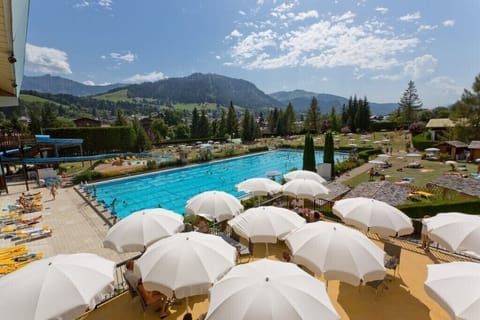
373 215
259 186
456 287
339 252
214 206
186 264
267 289
376 162
383 155
273 173
266 224
432 150
413 155
304 188
142 228
304 174
455 231
59 287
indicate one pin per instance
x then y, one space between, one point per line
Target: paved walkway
76 226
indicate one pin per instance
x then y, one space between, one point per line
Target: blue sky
343 47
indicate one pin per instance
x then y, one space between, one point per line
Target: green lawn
30 98
120 95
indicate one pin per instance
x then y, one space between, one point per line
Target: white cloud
105 4
446 86
305 15
426 27
218 57
322 45
410 17
448 23
149 77
253 44
260 2
420 66
88 83
381 10
235 33
46 60
241 12
127 57
346 16
387 77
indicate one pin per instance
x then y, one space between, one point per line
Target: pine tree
194 126
329 152
222 126
333 119
409 104
309 154
313 117
232 121
203 125
467 113
289 119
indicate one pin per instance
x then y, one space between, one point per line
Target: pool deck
78 228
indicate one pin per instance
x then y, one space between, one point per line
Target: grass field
120 95
30 98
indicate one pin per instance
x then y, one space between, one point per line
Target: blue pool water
172 188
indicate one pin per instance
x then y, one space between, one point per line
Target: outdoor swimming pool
171 189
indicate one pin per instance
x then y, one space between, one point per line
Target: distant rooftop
474 144
467 186
440 123
385 191
454 143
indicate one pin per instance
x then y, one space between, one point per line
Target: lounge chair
377 285
393 251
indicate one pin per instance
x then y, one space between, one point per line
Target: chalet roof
440 123
468 186
453 143
87 119
475 144
336 190
385 191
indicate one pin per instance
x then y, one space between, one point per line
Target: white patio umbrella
186 264
384 155
259 186
432 150
58 287
304 174
456 287
214 206
304 188
413 155
376 162
339 252
455 231
266 224
269 290
142 228
373 215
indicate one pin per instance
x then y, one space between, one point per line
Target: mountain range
59 85
201 88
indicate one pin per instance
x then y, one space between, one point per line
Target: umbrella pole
188 306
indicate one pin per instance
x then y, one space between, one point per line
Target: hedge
421 141
420 209
97 140
384 125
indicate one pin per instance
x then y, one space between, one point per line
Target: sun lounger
36 236
11 249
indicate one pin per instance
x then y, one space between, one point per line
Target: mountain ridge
59 85
301 100
201 88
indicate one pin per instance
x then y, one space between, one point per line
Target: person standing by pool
113 204
424 234
53 191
